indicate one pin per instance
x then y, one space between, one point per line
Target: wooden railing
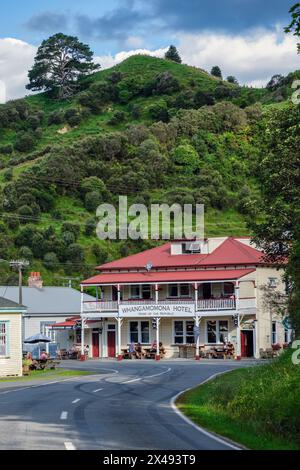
216 304
202 305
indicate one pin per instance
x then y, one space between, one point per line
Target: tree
294 26
278 213
232 79
216 71
275 82
172 54
59 63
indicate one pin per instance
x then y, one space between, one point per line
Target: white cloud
16 58
253 59
107 61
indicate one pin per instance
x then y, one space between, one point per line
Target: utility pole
19 265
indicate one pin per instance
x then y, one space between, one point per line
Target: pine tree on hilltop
58 65
216 71
172 54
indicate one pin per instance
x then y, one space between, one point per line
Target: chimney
35 280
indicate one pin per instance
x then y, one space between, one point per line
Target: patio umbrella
38 338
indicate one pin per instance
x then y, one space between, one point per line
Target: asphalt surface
123 405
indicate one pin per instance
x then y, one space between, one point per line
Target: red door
111 344
243 344
95 343
247 348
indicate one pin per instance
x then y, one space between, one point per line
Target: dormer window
191 247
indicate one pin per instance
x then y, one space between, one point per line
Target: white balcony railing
216 304
202 305
100 306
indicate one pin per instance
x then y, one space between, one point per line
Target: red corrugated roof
171 276
230 252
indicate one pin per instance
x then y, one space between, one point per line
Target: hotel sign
157 310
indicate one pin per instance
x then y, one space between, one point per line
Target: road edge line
217 437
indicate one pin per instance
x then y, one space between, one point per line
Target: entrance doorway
95 342
111 340
247 348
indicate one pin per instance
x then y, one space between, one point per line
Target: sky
244 37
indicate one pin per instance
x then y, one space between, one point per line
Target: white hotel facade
194 293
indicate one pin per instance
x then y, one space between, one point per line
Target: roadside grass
45 374
257 407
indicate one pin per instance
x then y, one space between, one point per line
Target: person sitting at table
138 351
161 349
131 350
43 355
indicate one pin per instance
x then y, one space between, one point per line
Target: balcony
215 304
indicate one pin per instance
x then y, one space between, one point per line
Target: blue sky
244 37
107 24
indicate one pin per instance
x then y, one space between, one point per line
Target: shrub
92 200
8 175
71 227
75 254
56 117
187 157
26 214
117 118
24 142
50 261
26 253
6 149
166 83
90 226
159 111
72 117
68 238
203 99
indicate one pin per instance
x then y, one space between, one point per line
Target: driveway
123 405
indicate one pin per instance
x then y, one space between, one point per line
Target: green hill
152 129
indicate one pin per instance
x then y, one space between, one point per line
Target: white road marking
76 400
196 426
146 377
98 390
64 415
69 446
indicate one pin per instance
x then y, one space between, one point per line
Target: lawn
46 374
257 407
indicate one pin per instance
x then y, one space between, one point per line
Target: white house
47 306
10 337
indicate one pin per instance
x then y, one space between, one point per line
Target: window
173 290
184 290
217 331
184 332
287 335
223 331
274 332
135 292
228 288
146 291
139 332
189 335
179 290
144 332
272 282
211 331
141 291
4 345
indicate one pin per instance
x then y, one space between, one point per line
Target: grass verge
257 407
45 374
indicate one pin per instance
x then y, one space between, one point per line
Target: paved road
125 405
